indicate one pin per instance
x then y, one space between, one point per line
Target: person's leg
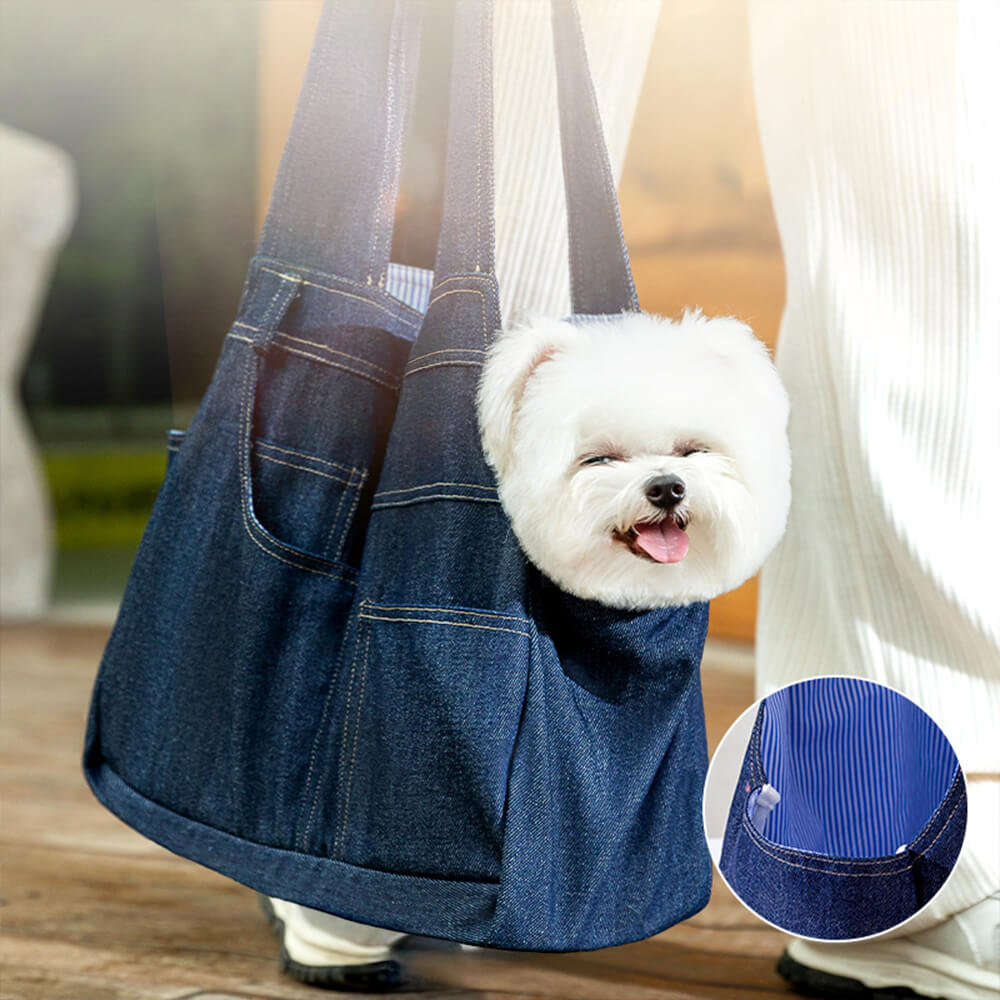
328 951
882 142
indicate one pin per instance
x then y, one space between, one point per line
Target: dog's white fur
642 390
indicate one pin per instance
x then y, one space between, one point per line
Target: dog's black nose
665 491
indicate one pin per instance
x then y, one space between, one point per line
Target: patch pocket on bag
315 423
306 501
432 714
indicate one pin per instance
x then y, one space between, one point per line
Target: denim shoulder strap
599 273
466 239
600 276
334 197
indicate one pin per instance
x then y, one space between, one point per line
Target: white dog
642 462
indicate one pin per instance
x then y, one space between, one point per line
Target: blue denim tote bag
335 677
849 812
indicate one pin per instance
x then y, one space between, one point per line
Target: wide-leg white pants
881 132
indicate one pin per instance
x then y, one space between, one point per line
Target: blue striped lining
411 285
860 769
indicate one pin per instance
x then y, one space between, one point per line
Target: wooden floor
92 911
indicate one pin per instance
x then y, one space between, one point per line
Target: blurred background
173 117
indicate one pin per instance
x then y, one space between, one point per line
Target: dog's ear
514 357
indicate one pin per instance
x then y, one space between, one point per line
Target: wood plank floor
92 911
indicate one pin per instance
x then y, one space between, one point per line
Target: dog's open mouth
660 541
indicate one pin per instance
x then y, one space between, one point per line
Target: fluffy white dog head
642 462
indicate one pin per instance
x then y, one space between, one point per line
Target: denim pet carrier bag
849 812
334 677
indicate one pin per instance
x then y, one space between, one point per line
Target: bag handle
333 201
600 276
466 241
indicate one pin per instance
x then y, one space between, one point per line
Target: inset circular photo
835 808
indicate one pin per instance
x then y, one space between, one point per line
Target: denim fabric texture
810 865
334 676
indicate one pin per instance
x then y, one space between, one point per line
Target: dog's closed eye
601 459
685 448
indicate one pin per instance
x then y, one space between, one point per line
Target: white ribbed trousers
881 134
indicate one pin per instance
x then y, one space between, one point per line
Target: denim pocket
316 419
432 715
307 501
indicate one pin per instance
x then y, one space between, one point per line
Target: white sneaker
323 950
327 951
956 960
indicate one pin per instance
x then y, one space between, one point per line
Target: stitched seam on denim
315 344
251 528
432 496
266 318
467 291
463 277
808 855
338 291
335 520
447 350
444 364
349 469
350 514
423 486
236 336
354 745
756 837
438 621
826 871
304 468
930 823
334 350
307 829
342 765
336 364
813 855
356 284
449 611
944 827
275 311
753 757
248 430
297 565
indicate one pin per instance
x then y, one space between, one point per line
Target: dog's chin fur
642 391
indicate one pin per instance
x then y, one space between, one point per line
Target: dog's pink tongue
664 542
